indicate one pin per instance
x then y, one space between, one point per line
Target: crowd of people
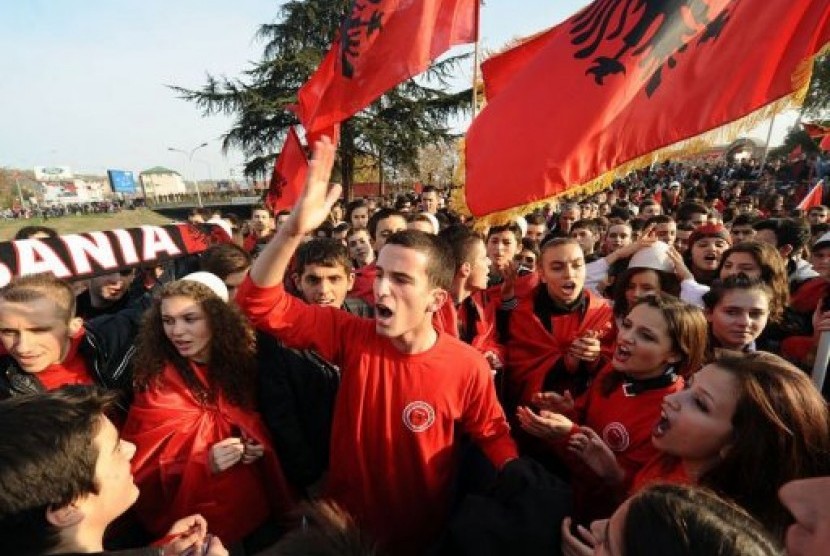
626 373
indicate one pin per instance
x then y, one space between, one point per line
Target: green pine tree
390 131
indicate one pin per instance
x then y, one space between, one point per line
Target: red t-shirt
72 370
394 435
661 469
625 422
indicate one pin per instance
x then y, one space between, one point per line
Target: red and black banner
75 256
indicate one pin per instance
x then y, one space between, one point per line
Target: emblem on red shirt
418 416
616 436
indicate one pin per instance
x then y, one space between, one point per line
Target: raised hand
317 199
680 269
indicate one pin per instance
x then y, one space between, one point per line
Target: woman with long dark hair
201 446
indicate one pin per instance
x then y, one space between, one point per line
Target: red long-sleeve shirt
393 444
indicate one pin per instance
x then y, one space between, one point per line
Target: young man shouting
405 387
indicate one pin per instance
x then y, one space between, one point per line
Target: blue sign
121 181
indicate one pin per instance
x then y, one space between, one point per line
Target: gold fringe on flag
693 145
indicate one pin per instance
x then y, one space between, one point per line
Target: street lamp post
190 167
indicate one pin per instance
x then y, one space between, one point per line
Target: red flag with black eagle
289 175
626 82
381 43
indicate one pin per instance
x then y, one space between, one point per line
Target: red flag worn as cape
615 85
382 43
289 175
825 143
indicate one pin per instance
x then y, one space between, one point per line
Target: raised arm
309 212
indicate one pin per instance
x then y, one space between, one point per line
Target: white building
159 181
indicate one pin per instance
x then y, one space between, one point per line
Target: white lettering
81 250
5 275
157 240
125 240
34 257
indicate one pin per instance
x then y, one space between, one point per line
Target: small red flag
289 175
813 198
825 143
815 131
616 87
382 43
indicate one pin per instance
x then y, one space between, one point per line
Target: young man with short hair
405 388
382 224
106 294
360 247
789 237
537 228
618 236
297 387
261 230
665 227
556 332
470 315
742 228
818 215
65 477
502 245
47 345
586 234
429 199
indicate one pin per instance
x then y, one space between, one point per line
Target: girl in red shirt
744 426
660 341
201 446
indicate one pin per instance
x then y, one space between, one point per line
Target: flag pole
475 59
766 145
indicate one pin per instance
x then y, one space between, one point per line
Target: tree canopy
390 132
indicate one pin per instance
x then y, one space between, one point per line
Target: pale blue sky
84 80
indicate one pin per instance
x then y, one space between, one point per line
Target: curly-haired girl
201 447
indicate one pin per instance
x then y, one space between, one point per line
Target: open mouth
569 289
662 426
622 353
383 313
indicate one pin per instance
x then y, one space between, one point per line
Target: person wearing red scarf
201 446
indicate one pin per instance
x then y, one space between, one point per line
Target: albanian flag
381 43
624 83
289 175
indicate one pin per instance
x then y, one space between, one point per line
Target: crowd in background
621 372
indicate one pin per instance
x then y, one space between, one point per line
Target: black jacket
297 390
107 346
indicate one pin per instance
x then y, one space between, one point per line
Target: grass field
88 223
